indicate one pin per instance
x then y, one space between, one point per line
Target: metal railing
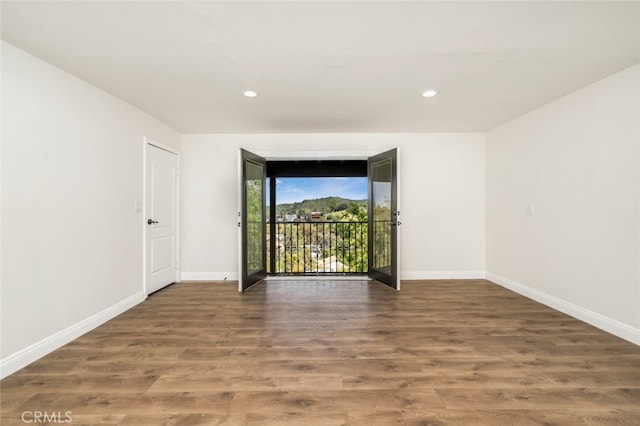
381 244
318 247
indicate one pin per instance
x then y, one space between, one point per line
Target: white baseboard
26 356
408 275
209 276
610 325
441 275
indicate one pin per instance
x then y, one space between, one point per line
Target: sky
291 190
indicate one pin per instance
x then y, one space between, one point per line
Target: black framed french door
253 247
382 172
383 219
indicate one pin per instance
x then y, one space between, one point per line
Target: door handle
151 222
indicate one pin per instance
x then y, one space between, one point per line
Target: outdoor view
255 228
320 226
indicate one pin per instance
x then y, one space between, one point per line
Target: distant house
290 217
316 250
316 215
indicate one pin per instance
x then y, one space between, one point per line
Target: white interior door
161 218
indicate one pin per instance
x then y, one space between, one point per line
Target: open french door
382 173
253 246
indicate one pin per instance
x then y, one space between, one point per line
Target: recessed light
430 93
250 93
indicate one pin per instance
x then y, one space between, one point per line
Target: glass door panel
383 219
253 220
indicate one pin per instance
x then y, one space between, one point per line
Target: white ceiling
330 66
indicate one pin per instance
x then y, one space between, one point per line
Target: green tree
255 228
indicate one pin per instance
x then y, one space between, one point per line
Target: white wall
71 173
442 180
577 160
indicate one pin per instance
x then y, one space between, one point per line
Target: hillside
324 205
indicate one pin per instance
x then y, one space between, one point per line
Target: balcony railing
317 247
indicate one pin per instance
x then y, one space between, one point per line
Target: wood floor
335 353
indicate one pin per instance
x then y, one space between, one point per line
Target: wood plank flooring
335 353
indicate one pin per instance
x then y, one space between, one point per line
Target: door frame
245 155
327 155
315 155
394 276
145 142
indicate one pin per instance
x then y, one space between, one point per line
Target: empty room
320 212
